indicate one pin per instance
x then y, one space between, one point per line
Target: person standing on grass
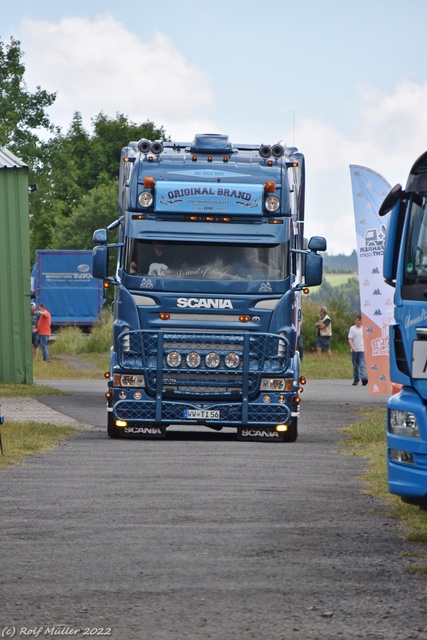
324 333
34 334
355 340
43 329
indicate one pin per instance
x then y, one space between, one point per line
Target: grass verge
367 439
23 439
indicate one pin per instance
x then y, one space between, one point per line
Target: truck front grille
250 354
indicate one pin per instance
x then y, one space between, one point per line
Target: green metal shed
16 361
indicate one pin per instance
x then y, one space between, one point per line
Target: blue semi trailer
211 262
62 280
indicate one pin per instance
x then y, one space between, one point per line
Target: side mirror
317 243
391 199
100 236
313 269
100 261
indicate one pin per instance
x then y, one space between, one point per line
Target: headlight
128 380
145 199
193 360
232 360
272 203
404 423
174 359
272 384
212 360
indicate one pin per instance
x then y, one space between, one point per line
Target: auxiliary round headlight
212 360
174 359
232 360
145 199
193 360
272 203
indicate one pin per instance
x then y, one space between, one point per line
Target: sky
344 81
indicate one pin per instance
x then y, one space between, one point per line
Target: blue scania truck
211 263
405 268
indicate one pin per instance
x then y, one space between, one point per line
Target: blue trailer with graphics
405 268
211 262
62 280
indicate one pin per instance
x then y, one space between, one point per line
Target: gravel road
201 537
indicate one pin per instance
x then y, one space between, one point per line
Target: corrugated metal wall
16 361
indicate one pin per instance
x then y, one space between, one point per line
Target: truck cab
405 268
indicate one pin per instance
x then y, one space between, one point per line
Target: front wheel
291 434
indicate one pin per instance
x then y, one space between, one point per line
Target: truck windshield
207 261
415 262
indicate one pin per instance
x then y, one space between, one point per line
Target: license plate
202 414
419 359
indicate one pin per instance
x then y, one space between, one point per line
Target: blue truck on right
405 268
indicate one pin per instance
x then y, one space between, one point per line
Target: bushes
341 320
71 340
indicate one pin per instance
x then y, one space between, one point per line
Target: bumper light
404 423
401 456
232 360
282 427
212 360
193 360
173 359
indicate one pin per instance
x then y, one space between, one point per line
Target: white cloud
392 133
100 66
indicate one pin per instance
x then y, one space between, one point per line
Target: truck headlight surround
212 360
403 423
145 199
232 360
174 359
193 360
272 203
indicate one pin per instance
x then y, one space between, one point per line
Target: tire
291 434
112 430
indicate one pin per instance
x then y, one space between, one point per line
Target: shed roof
9 161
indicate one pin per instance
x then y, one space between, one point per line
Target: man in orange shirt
43 329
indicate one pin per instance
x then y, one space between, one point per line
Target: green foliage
96 209
78 181
71 340
21 112
341 319
347 293
340 263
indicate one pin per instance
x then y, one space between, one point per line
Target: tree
21 112
97 209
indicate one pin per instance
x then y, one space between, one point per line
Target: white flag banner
376 297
